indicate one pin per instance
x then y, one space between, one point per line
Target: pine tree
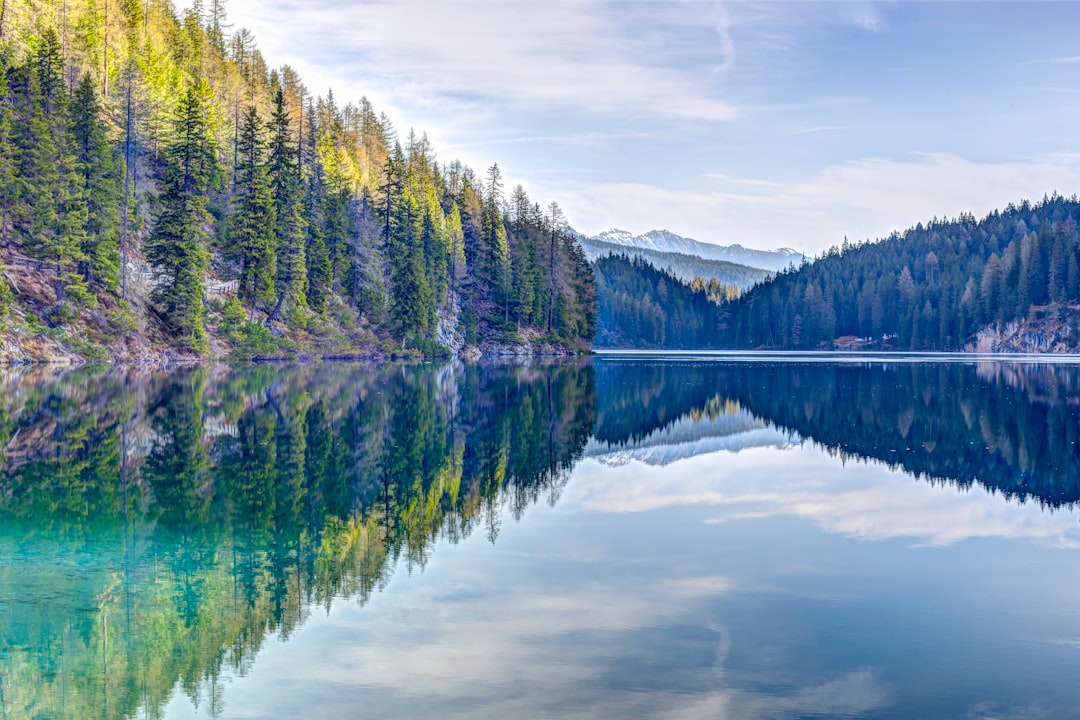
8 187
51 194
456 237
290 228
412 302
496 260
176 247
319 273
100 174
251 238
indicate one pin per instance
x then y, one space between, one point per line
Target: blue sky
766 124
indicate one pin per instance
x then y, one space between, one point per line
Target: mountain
642 306
685 267
668 242
689 437
1007 283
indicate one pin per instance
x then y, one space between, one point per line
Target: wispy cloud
874 504
564 53
861 199
1072 59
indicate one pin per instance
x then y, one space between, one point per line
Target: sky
779 124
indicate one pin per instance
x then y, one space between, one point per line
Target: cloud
489 641
874 503
474 55
862 199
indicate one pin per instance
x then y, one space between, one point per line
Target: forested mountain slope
647 308
683 266
163 187
1010 281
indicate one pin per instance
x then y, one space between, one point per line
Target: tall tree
290 228
177 245
97 166
251 237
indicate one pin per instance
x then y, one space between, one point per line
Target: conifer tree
456 238
52 197
496 267
100 174
290 227
251 240
411 293
176 247
319 273
8 188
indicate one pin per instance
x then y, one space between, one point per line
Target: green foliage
253 339
325 207
642 307
252 243
470 325
177 245
100 174
232 313
930 288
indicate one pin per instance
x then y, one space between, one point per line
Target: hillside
166 193
685 267
1008 282
647 308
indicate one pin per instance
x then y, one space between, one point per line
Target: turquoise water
676 537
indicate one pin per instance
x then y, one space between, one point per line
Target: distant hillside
685 267
1008 282
668 242
643 307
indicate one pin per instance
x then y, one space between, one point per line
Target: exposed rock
1047 329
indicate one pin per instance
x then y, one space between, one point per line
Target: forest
933 287
646 308
161 184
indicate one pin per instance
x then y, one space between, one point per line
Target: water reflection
1012 428
156 530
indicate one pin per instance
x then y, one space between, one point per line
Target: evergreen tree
412 299
177 244
8 139
456 237
51 194
495 270
251 238
290 226
101 174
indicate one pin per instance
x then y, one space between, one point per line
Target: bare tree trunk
3 14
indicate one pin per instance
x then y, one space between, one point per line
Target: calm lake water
622 537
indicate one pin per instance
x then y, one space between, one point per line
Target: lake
690 536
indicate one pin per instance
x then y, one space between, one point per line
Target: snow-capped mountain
667 241
686 438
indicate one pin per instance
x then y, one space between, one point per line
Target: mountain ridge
667 241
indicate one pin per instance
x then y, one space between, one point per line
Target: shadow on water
156 529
